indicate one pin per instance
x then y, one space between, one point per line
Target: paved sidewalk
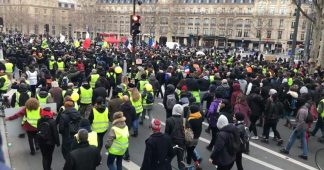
3 131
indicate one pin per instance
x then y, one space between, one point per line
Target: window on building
259 22
293 24
302 36
206 21
281 23
258 34
304 24
60 5
197 21
249 11
223 10
268 34
239 33
246 33
72 6
229 32
206 31
291 35
213 22
279 35
66 5
282 11
272 11
190 21
270 22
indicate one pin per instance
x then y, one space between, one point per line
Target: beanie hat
194 108
239 116
222 121
184 88
177 110
272 91
85 124
303 90
156 125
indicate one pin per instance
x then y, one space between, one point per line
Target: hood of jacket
170 89
86 86
73 113
293 94
43 94
236 87
120 122
230 128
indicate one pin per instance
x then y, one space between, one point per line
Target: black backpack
177 135
244 137
149 98
74 125
44 130
234 143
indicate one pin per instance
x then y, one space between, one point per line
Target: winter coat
99 92
203 84
245 109
114 106
169 90
213 112
255 102
243 84
158 152
26 126
56 93
221 155
101 109
301 117
85 157
120 123
63 121
236 92
54 138
170 126
195 123
129 112
273 110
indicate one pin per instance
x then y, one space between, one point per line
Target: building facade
251 24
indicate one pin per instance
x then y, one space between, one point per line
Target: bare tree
316 18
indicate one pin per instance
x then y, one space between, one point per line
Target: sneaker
280 142
284 151
303 157
265 140
200 160
255 137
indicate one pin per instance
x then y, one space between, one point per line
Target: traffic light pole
133 37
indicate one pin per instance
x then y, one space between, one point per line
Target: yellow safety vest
290 81
196 94
100 121
211 78
85 95
6 83
138 105
9 67
92 138
51 64
142 84
120 144
42 100
322 102
32 116
60 66
93 80
17 98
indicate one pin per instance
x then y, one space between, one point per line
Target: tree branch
303 12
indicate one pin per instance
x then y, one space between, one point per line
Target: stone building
251 24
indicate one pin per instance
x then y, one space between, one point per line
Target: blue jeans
292 138
111 159
135 124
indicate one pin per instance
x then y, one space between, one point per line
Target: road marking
130 165
278 154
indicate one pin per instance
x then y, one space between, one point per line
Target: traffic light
46 26
135 24
1 21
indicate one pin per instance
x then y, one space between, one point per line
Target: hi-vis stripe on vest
120 144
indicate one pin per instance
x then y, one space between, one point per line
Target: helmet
118 70
148 87
75 96
52 57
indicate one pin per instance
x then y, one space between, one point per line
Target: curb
4 142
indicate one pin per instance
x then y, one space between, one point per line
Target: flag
155 44
126 43
87 41
44 44
105 45
151 42
62 38
76 44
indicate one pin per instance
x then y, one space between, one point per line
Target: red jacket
80 66
26 126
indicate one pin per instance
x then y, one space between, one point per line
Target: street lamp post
294 41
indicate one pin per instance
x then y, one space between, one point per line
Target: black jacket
63 121
85 157
221 155
100 109
158 152
255 102
99 92
172 123
196 126
169 90
54 138
129 112
273 110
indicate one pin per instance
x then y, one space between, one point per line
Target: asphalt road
262 156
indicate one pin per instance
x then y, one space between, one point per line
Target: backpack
171 101
309 117
177 135
234 144
189 136
44 130
149 98
244 138
74 125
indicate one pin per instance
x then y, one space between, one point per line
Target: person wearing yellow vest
60 65
52 65
44 96
4 82
148 101
99 120
9 69
85 93
93 78
320 121
136 100
141 83
196 94
92 135
20 97
117 142
31 113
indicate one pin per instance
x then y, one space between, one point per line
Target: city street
262 156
